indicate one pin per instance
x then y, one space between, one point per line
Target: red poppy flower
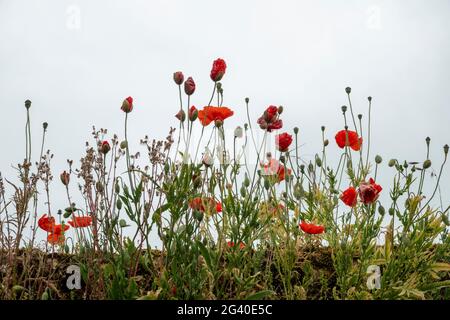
231 244
205 204
269 120
283 141
56 238
311 228
46 223
209 114
127 105
218 69
349 197
189 86
353 142
275 168
58 228
81 222
369 191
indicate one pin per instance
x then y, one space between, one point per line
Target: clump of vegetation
230 226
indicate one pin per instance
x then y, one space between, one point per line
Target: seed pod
123 223
391 163
326 142
318 161
427 164
348 90
381 210
119 204
117 187
246 181
391 211
243 192
378 159
123 144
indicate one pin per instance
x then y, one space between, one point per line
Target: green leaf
260 295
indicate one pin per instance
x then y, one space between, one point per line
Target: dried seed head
27 104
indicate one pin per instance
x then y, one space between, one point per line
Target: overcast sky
77 60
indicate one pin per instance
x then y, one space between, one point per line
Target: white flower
207 158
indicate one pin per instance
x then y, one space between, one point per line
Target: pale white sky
77 61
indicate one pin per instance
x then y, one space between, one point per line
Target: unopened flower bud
296 130
207 159
427 140
99 187
65 178
181 115
280 109
344 109
282 159
123 144
246 126
45 125
193 113
127 105
178 77
105 147
189 86
360 116
348 90
27 104
322 128
427 164
238 132
378 159
218 123
326 142
446 149
391 163
369 98
391 211
247 100
318 161
381 210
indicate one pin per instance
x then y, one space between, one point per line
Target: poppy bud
189 86
391 163
266 184
27 104
119 204
427 140
181 115
378 159
247 100
243 192
348 90
127 105
246 181
117 187
218 123
193 113
45 125
445 219
218 69
344 109
427 164
282 159
318 161
360 116
99 187
280 109
446 149
326 142
295 130
65 178
322 128
302 168
238 132
391 211
219 86
122 223
246 126
369 98
105 147
178 77
123 144
381 210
